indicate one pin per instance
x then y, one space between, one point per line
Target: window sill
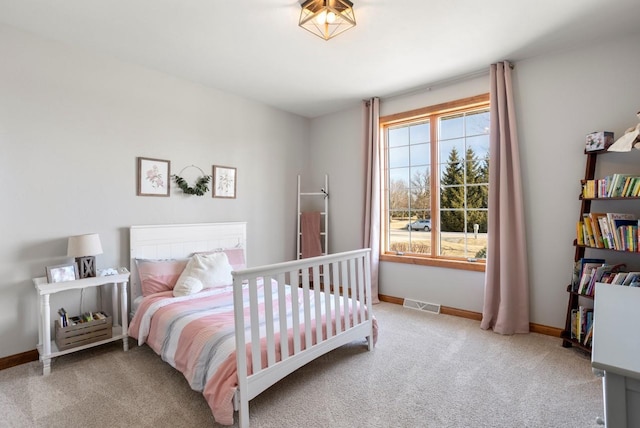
443 263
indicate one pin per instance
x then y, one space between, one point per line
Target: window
436 184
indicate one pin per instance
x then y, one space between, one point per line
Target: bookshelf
614 251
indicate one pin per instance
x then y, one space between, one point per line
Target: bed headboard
172 241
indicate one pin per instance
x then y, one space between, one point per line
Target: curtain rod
441 83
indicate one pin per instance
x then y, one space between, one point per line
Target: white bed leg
370 343
243 414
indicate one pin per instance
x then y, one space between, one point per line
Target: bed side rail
347 276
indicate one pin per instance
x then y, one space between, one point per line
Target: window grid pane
462 170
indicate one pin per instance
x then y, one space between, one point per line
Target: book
589 227
626 231
630 241
625 188
602 188
611 217
631 277
597 234
585 280
607 237
619 278
586 267
636 188
597 275
586 263
579 316
580 233
607 278
617 185
630 186
589 329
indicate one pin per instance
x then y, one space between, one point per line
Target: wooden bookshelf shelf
605 249
586 296
613 198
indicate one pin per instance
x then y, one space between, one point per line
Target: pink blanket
310 229
195 334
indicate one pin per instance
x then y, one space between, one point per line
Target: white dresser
616 352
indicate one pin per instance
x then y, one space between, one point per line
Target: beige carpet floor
426 371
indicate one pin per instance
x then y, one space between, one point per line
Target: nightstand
47 347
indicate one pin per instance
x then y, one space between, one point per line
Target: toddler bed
246 329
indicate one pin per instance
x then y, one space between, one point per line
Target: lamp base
86 267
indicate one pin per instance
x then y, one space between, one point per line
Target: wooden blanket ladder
324 233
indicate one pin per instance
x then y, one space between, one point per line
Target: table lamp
84 248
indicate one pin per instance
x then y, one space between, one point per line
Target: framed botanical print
224 182
153 177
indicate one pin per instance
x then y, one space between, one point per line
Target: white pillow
204 271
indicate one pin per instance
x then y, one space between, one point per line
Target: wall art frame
153 177
225 180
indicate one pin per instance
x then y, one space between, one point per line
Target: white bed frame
351 270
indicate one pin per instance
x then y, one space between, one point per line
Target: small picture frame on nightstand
61 273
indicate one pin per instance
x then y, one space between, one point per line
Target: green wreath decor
200 188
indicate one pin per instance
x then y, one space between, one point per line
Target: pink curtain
506 289
372 190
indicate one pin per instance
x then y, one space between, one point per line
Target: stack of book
582 325
614 231
589 271
612 186
64 320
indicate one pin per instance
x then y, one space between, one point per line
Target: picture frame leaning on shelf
61 273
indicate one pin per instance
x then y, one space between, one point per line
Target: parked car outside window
422 224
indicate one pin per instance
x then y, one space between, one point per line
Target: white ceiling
254 48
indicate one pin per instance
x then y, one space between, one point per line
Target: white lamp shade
84 245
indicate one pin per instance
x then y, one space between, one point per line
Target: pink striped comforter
195 334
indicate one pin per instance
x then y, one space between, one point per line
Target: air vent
433 308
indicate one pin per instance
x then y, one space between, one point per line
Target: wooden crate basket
82 333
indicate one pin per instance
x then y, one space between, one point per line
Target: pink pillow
159 275
235 256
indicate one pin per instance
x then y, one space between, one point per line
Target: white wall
560 98
337 150
71 126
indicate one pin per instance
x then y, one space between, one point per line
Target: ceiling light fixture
327 18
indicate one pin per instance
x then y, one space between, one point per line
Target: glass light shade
84 245
327 18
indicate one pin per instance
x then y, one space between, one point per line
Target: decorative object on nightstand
84 248
60 273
